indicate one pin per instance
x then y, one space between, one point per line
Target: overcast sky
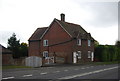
23 17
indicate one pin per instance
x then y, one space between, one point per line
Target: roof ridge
67 22
41 27
71 27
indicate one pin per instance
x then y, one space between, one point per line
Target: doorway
74 57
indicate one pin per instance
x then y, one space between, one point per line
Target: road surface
64 72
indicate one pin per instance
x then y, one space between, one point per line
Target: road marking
83 74
56 71
8 78
76 69
82 68
27 75
65 70
97 71
43 73
91 66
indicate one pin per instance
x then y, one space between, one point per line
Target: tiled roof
75 30
72 28
37 34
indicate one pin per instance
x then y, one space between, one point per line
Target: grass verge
105 63
13 67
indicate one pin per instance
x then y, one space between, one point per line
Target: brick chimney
62 17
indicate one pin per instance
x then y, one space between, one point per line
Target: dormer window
79 42
45 43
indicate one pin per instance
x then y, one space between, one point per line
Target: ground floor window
45 54
89 54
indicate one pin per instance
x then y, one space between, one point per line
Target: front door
92 56
74 57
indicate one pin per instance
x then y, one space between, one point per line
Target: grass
13 67
94 63
105 63
100 63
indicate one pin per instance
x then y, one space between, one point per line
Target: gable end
63 28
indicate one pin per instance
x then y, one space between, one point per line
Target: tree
117 43
96 43
107 53
104 55
13 45
23 49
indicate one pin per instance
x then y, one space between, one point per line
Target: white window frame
79 54
89 54
45 54
89 42
45 42
79 42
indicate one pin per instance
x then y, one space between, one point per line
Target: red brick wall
34 48
54 36
84 48
7 59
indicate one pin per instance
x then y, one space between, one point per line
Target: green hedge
106 53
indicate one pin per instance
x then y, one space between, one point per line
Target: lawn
13 67
94 63
102 63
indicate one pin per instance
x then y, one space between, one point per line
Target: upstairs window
89 54
45 43
79 54
79 42
89 42
45 54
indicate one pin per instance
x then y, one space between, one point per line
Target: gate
49 60
33 61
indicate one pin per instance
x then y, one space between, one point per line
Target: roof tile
38 33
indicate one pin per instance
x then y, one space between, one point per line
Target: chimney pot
62 17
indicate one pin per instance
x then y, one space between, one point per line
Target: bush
107 53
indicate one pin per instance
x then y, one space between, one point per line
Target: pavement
64 72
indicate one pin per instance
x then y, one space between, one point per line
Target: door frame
74 57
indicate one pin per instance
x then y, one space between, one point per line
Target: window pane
45 54
78 41
45 43
79 54
89 42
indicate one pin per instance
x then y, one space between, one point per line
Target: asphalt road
64 72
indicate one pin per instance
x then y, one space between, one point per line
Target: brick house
7 58
66 42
